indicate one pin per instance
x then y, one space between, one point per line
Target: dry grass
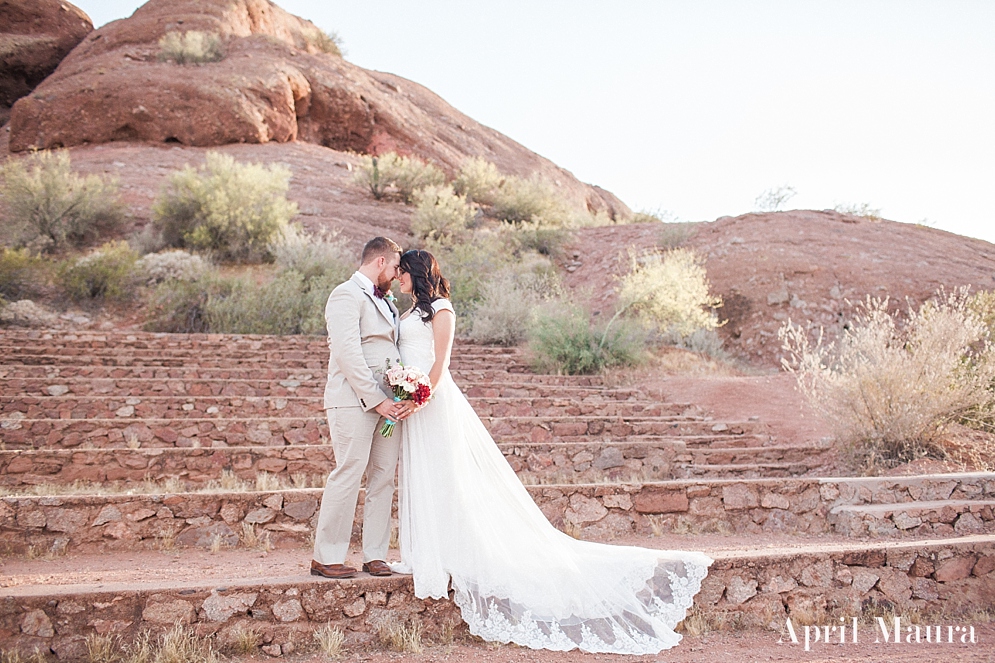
330 639
699 623
16 657
102 648
228 482
244 640
59 548
891 386
252 539
400 636
179 645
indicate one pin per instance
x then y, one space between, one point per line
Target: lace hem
502 620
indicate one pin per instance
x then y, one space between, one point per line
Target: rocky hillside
275 83
803 265
34 37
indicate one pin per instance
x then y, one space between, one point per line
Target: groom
362 335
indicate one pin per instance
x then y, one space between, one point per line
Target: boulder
273 83
36 35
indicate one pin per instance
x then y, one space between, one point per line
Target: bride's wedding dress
466 518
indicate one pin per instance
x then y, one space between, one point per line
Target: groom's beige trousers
358 448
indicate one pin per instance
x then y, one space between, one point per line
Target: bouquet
407 384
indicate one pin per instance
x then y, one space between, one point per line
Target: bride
466 520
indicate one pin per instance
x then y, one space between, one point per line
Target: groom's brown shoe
337 571
377 567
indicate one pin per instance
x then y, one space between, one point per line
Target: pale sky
696 107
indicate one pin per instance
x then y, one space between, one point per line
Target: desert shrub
181 306
534 200
314 254
440 214
235 211
468 266
392 174
148 239
891 386
478 179
104 274
563 340
22 274
674 235
773 199
323 42
540 237
863 210
669 292
287 304
191 47
50 206
274 307
509 299
173 265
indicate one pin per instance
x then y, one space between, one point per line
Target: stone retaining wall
600 512
813 586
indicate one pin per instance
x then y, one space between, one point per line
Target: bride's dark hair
427 282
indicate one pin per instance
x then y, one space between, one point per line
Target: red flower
421 394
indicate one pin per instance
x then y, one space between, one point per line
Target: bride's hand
406 409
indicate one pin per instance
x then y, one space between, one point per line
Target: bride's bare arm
443 330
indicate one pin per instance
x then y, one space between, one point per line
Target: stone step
314 377
292 360
544 463
214 384
53 605
753 470
924 518
122 521
107 407
580 427
124 432
22 339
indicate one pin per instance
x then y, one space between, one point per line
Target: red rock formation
272 85
36 35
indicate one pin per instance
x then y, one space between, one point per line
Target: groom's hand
389 409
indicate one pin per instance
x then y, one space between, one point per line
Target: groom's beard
385 286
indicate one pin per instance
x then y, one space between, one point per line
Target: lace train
466 518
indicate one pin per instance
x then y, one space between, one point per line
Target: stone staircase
202 457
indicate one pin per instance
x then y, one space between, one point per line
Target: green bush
509 299
393 175
468 266
235 211
175 265
562 340
440 214
288 303
104 274
22 275
536 236
180 306
669 292
478 180
315 255
530 200
191 47
275 307
50 206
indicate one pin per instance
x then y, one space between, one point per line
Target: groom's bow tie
378 293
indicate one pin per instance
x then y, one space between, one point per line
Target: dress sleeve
443 305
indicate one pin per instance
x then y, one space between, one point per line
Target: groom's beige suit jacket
362 336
